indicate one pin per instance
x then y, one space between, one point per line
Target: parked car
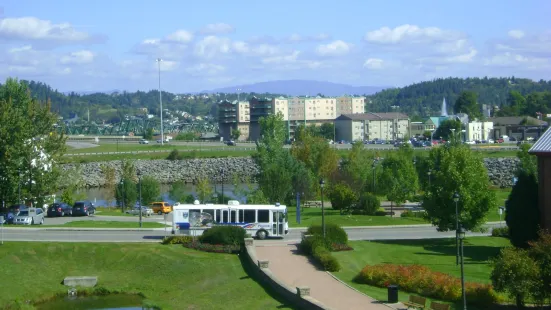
136 211
60 209
230 143
83 208
161 207
30 216
470 142
143 141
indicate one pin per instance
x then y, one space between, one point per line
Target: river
102 197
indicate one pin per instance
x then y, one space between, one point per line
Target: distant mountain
84 93
300 88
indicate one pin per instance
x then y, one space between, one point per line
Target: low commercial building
479 131
372 126
518 127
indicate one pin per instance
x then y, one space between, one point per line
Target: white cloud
509 59
534 45
410 34
335 48
516 34
180 36
283 59
78 58
166 65
373 63
218 28
212 46
206 69
32 28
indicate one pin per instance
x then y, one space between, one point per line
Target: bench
438 306
416 302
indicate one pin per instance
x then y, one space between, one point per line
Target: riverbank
500 170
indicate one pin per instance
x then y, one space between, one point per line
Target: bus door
278 222
225 216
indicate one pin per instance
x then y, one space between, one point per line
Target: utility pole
159 60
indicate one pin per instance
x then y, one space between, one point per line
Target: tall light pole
429 173
373 166
322 183
140 195
19 187
159 60
456 200
222 175
460 234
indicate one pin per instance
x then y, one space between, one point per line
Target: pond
109 302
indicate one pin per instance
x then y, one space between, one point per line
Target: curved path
297 270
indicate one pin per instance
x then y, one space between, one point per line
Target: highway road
44 234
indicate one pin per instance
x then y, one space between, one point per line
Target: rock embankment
170 171
500 170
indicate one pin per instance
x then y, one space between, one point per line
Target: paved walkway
296 270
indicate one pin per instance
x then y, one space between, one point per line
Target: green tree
72 194
445 130
342 197
30 147
540 251
235 134
126 194
356 167
368 204
528 162
522 211
148 135
203 189
517 274
128 170
327 131
178 191
468 103
151 190
108 172
399 178
457 169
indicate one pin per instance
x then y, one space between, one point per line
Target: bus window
225 216
218 217
233 218
209 211
263 216
249 216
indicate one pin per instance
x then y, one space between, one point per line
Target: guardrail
162 151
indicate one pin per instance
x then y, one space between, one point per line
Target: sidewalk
296 270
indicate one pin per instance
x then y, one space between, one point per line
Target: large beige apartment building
372 126
295 111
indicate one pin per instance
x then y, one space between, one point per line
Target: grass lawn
310 216
111 212
171 277
502 195
437 254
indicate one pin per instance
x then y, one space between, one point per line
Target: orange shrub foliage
425 282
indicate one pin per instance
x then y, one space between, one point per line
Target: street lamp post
373 166
122 195
460 234
140 195
222 175
159 60
429 173
456 200
322 184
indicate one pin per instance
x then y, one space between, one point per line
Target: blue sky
105 45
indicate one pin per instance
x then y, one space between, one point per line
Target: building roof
372 116
543 145
516 120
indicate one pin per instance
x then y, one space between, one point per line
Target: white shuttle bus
259 221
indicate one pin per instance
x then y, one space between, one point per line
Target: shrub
326 259
307 245
225 235
177 239
342 197
368 204
423 281
380 213
500 232
174 155
338 247
333 233
213 248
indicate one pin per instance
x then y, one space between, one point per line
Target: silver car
30 216
136 211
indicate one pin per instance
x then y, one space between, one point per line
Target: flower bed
423 281
338 247
214 248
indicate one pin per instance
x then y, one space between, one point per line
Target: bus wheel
261 234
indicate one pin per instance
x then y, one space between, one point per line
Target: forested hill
112 107
425 98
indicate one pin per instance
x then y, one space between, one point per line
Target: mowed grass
171 277
437 254
131 147
111 212
502 195
309 216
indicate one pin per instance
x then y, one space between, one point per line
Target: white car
136 211
144 141
470 142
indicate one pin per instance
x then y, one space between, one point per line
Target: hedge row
423 281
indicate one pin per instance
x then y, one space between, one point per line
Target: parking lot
99 217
